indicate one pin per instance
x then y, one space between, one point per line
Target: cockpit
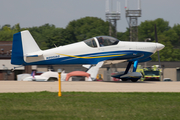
101 41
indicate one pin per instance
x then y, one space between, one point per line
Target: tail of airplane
23 44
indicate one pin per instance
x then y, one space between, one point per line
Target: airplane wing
93 70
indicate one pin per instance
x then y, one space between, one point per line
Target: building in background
6 67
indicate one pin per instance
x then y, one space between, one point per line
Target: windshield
107 40
91 42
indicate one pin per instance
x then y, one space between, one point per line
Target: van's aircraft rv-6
93 51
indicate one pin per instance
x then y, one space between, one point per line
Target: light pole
59 79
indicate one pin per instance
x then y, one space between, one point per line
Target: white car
167 79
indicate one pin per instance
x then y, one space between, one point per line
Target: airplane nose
159 46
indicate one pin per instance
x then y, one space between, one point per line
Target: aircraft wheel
134 80
124 79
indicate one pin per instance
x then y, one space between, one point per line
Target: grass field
89 106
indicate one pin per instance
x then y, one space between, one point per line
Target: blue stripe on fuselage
71 60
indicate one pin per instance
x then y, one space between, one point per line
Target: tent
77 73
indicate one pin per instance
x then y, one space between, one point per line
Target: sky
29 13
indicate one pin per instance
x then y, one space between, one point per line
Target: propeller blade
156 33
157 42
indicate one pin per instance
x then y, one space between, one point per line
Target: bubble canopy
101 41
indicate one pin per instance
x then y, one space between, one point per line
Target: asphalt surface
84 86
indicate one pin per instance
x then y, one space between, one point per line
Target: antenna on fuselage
55 45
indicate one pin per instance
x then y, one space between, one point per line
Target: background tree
124 36
6 32
176 28
87 27
77 30
146 28
46 35
166 35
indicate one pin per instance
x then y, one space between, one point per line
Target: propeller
157 42
157 51
156 33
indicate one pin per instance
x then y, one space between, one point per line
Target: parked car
167 79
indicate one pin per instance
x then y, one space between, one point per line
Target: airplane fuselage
91 52
95 51
80 53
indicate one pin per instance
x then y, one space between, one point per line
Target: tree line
48 35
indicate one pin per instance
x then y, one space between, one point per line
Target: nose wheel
134 80
124 79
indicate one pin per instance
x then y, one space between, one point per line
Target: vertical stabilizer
23 44
17 50
28 42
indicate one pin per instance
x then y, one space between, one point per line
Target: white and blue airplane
93 51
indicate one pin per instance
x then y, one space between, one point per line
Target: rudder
17 50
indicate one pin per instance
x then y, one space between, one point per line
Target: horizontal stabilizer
32 56
37 55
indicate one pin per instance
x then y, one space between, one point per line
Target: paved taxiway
84 86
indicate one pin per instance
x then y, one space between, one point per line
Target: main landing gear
133 76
